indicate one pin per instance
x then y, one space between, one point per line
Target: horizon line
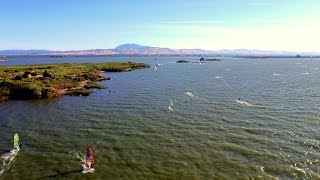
223 49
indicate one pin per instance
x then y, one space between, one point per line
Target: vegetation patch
78 92
182 61
92 84
45 81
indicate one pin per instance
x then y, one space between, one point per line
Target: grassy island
51 80
182 61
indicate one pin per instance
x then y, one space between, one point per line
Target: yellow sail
16 141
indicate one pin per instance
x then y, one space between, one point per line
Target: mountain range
136 49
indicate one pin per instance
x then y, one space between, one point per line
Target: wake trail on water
190 94
202 100
245 103
251 105
7 159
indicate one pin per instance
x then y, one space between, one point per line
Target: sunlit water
272 132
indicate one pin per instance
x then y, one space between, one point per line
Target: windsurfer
16 141
89 157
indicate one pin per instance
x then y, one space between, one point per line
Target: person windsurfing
89 157
16 141
200 60
170 106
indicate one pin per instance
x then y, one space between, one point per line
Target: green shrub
49 92
17 78
4 92
78 92
46 74
34 74
25 91
26 74
92 84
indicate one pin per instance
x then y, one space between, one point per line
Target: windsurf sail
200 59
16 141
89 157
156 66
170 106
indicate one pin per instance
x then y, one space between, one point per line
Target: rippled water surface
272 132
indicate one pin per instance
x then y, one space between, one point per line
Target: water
7 159
207 135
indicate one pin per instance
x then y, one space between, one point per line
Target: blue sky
208 24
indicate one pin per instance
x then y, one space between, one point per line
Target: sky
292 25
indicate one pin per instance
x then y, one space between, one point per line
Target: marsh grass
92 84
78 92
49 80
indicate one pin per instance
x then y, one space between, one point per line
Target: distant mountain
136 49
131 46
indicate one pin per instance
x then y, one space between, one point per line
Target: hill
136 49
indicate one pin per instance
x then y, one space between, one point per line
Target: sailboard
170 106
16 141
89 163
189 93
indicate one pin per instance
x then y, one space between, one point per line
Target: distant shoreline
5 57
141 50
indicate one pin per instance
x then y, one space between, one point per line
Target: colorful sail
89 157
16 141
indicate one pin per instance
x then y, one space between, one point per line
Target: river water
271 133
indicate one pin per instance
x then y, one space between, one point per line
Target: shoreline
51 80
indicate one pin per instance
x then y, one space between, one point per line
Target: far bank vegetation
51 80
